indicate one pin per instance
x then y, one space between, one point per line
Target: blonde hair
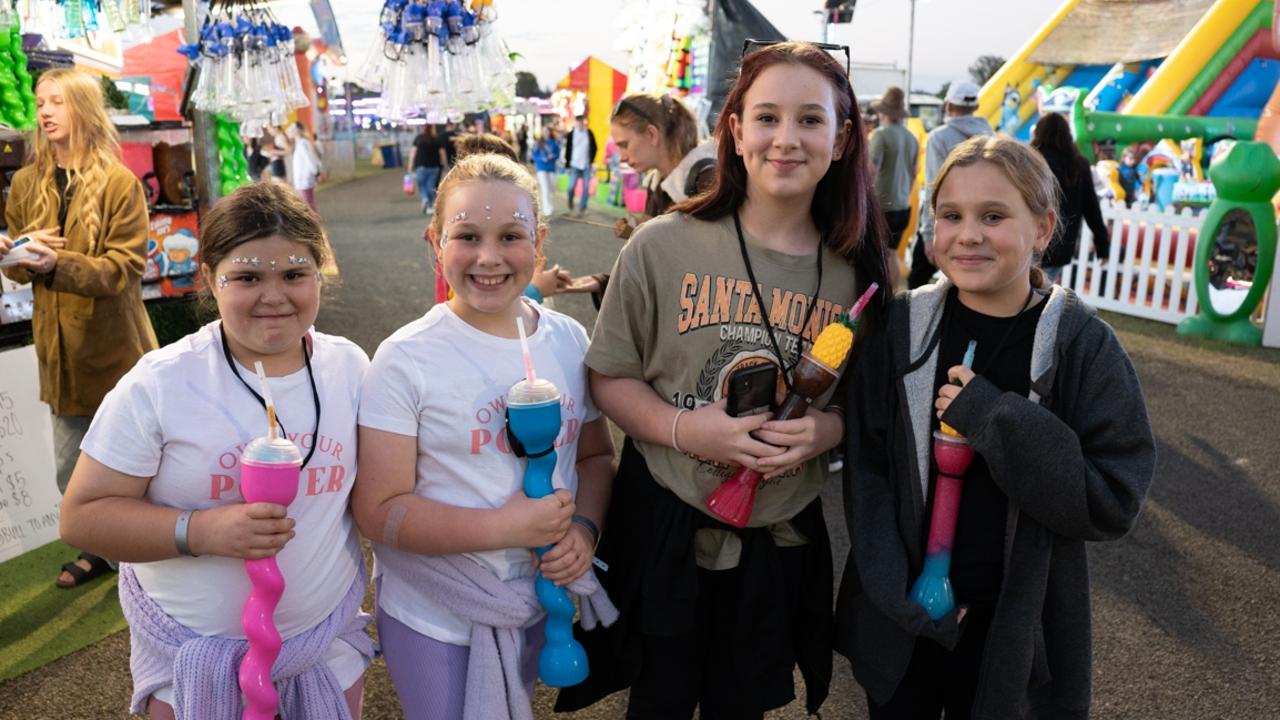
485 167
1025 168
95 148
675 124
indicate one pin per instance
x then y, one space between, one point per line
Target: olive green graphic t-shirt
680 314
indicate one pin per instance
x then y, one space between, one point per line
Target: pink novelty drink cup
269 472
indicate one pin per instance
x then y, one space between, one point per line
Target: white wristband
675 422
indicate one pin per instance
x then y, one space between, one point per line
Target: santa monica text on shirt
722 300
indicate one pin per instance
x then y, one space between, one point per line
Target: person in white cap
961 124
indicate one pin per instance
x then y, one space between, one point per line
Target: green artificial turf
40 622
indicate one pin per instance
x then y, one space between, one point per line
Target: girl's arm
388 511
106 512
707 432
1085 477
571 557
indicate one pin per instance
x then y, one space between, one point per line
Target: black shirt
426 152
64 194
977 558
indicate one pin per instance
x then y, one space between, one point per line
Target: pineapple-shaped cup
816 371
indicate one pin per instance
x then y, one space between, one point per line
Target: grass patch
39 622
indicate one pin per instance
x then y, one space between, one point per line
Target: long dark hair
1052 137
844 206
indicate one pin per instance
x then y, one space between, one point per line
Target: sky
552 36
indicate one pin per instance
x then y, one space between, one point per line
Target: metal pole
204 144
911 47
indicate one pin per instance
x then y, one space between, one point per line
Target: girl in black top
1078 201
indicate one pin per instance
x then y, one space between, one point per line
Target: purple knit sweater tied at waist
203 670
498 611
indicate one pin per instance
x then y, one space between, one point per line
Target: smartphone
752 390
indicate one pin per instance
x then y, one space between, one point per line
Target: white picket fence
1148 269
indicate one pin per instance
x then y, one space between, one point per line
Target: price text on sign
29 497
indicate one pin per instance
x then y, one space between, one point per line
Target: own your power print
318 478
491 417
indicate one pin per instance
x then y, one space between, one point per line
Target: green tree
984 67
527 85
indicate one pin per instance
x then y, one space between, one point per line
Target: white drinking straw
266 394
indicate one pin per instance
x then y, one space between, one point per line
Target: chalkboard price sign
29 498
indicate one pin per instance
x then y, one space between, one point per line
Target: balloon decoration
246 68
17 98
437 58
233 168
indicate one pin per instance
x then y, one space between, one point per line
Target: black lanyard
764 316
315 394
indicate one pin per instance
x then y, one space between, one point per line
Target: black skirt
754 624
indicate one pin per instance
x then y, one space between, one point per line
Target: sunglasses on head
750 45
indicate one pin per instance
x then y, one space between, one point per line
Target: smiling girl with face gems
157 483
441 490
716 618
1064 454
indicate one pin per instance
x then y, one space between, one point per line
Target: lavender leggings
431 676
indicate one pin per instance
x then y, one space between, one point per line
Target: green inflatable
1089 126
17 98
1236 252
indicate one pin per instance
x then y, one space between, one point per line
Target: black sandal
79 576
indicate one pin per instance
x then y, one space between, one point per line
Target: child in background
444 504
156 485
1054 411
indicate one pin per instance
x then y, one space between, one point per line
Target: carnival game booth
594 87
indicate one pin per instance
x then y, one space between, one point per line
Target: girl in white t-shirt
441 491
157 482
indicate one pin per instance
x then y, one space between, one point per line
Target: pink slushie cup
269 472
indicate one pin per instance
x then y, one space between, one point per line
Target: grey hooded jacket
1075 459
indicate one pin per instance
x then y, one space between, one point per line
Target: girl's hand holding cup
533 523
802 439
949 392
250 531
570 557
709 432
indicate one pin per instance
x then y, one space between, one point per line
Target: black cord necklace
315 393
989 358
764 316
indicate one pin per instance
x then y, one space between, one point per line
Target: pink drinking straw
524 348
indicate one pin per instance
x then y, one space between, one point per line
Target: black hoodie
1075 460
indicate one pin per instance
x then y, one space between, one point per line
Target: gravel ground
1183 607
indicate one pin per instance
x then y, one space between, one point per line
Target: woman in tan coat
87 219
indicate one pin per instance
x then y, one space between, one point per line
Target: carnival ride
1210 58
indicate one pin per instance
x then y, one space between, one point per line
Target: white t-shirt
580 153
305 164
181 418
445 382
